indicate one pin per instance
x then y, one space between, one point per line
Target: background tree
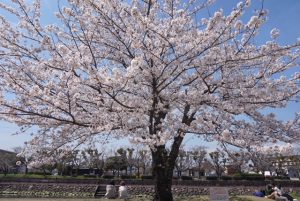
260 159
183 162
7 161
218 162
280 161
295 159
238 160
130 159
294 169
149 70
122 160
143 160
116 164
92 159
269 158
47 160
25 159
76 161
198 154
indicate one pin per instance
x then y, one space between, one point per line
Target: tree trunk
70 170
5 171
162 172
144 170
199 170
138 170
163 163
178 174
163 186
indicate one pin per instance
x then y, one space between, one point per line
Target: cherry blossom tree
149 70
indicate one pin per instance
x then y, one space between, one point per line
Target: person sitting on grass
123 192
110 190
269 189
278 193
275 194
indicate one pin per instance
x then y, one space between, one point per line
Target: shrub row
249 177
39 173
122 177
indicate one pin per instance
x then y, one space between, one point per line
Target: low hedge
89 176
146 177
186 178
211 178
39 173
225 177
281 177
128 177
249 177
108 176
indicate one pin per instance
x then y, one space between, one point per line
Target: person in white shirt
278 190
275 194
110 191
123 191
278 194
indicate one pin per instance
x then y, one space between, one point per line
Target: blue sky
283 15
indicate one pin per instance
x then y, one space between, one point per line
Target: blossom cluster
147 70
